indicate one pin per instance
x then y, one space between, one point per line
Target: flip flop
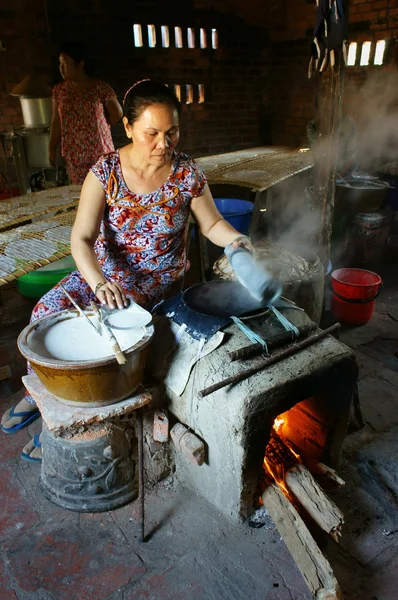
37 444
31 416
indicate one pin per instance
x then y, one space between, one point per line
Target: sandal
36 444
30 417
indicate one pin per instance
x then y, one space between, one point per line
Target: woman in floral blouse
129 236
83 111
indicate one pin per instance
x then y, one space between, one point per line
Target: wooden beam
314 567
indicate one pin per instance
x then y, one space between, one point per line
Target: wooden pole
325 149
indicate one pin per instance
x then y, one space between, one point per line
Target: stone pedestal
89 454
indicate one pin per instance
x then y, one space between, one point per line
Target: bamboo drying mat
256 168
22 209
30 247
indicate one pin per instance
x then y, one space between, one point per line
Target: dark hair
144 94
77 52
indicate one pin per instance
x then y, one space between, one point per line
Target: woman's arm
84 234
113 111
211 223
55 135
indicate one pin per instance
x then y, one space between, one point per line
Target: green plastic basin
39 282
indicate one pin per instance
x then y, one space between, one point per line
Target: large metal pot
96 382
36 112
355 195
35 143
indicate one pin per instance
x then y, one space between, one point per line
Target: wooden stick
318 468
314 567
269 361
317 504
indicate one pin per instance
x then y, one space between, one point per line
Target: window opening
203 38
164 30
137 32
379 53
201 93
188 94
191 37
352 54
214 39
151 36
178 37
365 53
177 91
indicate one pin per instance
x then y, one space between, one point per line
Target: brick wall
24 39
293 96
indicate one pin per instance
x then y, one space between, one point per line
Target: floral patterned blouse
142 237
85 133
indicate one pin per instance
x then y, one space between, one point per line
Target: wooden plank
313 566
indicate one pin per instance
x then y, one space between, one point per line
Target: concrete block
190 445
160 427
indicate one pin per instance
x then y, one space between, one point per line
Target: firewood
317 504
313 566
318 468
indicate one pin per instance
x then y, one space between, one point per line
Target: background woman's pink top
85 133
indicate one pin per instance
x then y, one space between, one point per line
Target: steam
374 107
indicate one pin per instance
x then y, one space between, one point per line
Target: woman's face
68 68
155 133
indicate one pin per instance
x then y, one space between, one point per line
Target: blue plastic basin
237 212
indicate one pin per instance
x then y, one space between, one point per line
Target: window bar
137 32
165 36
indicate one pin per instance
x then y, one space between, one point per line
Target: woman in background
83 111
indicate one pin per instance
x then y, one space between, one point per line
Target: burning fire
279 454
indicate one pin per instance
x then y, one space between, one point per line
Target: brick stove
314 388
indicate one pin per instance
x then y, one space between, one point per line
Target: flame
277 471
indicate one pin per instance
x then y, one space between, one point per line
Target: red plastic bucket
354 292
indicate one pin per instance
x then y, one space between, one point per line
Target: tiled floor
47 553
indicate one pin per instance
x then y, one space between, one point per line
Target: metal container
96 382
355 195
36 112
35 143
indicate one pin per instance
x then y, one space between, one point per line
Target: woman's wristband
99 286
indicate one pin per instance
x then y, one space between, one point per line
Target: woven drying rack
48 252
23 209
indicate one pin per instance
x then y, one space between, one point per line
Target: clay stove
312 390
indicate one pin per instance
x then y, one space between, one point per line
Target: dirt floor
47 553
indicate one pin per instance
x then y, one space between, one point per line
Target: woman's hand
243 242
112 294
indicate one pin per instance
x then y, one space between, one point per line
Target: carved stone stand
90 454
